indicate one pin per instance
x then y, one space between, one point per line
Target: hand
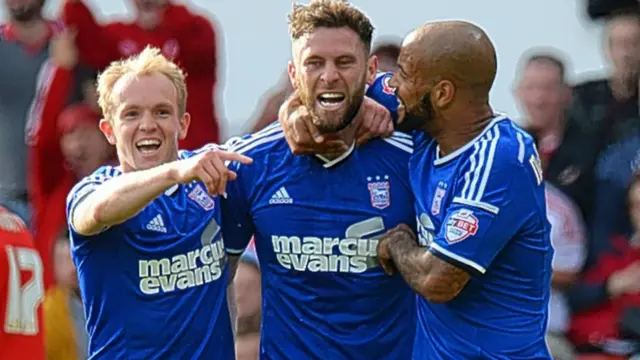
625 281
383 251
63 49
302 135
209 167
373 120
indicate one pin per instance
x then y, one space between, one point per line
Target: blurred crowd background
568 73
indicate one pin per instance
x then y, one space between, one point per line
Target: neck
623 87
32 31
346 135
550 136
452 135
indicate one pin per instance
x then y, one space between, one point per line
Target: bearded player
317 218
21 291
483 264
145 235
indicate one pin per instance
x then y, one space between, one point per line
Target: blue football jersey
154 287
316 224
482 208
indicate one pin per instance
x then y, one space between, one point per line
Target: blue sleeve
383 94
237 224
82 189
493 200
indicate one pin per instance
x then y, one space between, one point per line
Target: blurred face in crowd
543 93
330 68
24 10
85 149
64 268
146 124
624 46
150 5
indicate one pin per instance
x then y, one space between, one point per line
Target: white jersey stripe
467 175
399 145
261 137
489 164
402 140
476 173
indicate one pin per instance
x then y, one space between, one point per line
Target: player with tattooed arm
483 262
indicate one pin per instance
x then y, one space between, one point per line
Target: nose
148 123
330 75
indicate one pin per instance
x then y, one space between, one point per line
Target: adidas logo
281 197
157 224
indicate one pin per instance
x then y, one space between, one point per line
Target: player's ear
107 129
184 125
372 69
291 70
443 93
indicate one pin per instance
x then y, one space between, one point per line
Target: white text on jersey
183 271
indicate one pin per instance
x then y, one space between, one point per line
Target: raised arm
94 207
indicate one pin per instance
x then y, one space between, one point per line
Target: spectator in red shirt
598 327
185 37
68 145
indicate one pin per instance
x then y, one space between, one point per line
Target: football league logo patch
380 194
460 226
202 198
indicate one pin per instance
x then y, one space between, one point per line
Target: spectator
247 286
387 52
597 327
543 92
64 324
608 110
568 238
183 36
598 9
23 49
67 145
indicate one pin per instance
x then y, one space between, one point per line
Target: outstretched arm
433 278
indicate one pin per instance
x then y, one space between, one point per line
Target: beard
27 13
418 116
326 123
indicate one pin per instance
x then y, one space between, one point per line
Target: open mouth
148 146
331 100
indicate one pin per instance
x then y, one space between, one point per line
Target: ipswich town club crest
202 198
380 194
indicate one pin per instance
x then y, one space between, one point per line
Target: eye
131 114
343 62
163 113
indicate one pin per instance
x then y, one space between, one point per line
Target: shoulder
88 183
102 174
266 141
502 144
502 156
399 142
380 91
589 88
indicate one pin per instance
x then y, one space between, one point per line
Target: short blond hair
305 19
149 62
